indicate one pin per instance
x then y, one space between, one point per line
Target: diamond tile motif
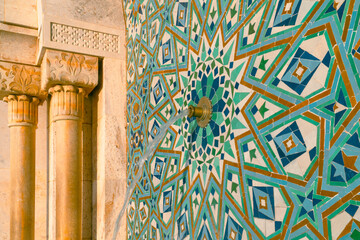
280 158
310 61
295 146
232 228
268 207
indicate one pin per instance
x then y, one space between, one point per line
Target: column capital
22 110
18 79
67 102
64 68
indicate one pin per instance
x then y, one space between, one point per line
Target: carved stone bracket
20 79
69 69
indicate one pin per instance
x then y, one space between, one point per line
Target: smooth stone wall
103 12
110 118
20 48
19 12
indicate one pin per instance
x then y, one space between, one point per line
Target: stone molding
20 79
67 103
22 110
69 69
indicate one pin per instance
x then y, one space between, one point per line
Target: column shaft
22 116
66 112
22 165
68 179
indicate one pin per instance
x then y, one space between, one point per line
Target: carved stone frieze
22 110
69 69
86 38
20 79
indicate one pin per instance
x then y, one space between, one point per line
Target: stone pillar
22 117
67 112
68 77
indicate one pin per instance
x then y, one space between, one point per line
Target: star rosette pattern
212 73
280 157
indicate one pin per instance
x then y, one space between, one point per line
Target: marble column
66 110
22 115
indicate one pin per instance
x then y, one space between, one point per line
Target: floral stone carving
69 69
20 79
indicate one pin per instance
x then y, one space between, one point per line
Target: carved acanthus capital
67 102
20 79
69 69
22 110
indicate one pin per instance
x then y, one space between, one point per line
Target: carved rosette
69 69
67 102
22 110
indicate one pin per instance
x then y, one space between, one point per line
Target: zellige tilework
280 158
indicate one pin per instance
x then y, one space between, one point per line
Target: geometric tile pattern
280 158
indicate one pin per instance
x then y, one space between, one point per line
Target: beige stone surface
87 119
87 152
41 139
116 141
111 178
115 192
111 148
5 133
41 183
18 48
8 27
87 210
112 99
51 179
102 12
2 9
87 175
40 203
21 12
5 203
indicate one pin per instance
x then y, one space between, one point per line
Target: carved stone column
22 117
67 113
68 77
20 88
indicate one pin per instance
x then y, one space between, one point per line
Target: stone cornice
20 79
63 68
22 110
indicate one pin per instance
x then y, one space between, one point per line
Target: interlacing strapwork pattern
280 158
86 38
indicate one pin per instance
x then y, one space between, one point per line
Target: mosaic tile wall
280 158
